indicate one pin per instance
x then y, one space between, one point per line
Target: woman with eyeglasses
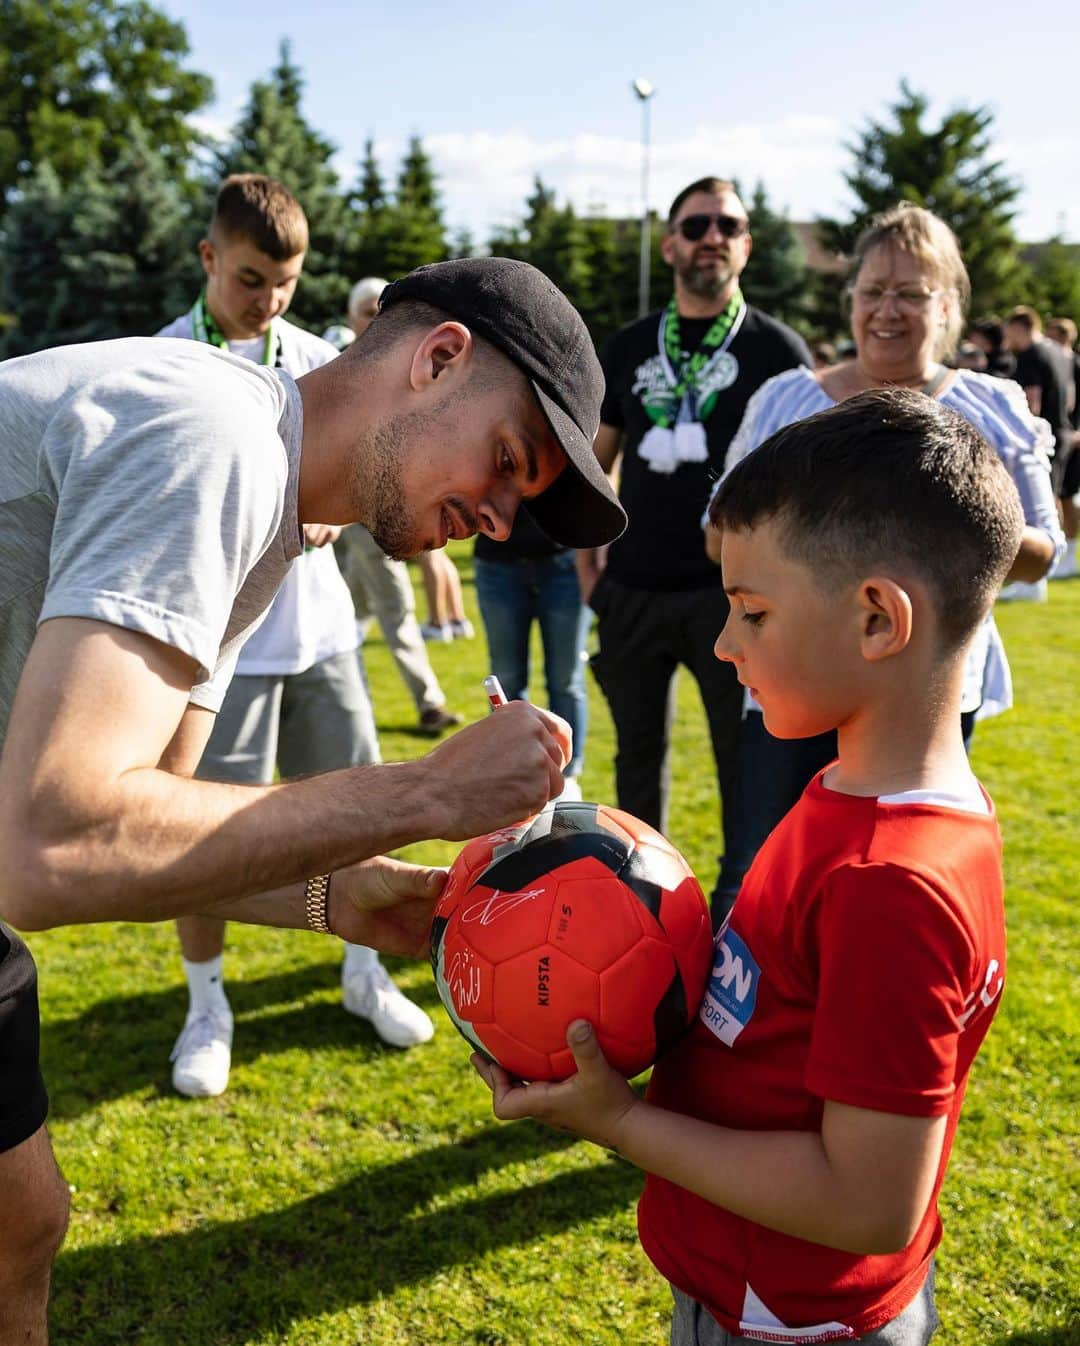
908 293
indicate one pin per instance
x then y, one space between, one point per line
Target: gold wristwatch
317 904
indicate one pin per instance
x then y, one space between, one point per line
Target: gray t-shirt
150 484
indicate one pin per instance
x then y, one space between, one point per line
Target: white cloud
485 177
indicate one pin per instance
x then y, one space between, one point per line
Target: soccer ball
580 912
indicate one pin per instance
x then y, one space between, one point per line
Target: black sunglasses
694 227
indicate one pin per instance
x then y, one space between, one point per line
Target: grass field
342 1193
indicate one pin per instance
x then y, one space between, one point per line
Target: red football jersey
862 962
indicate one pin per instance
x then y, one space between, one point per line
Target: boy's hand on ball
386 904
593 1103
499 770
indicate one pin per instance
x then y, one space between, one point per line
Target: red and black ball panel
580 912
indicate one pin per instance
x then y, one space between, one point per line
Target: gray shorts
302 723
692 1325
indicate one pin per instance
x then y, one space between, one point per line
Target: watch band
317 903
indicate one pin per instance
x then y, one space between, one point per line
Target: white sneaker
1019 592
463 629
203 1054
571 791
373 996
433 633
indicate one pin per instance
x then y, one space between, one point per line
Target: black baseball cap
516 308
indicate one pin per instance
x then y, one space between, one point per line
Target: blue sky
770 90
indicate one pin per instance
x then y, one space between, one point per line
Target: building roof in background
817 258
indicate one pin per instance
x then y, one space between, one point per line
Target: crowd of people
818 536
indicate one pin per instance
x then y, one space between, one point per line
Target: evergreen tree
367 221
273 137
1056 268
776 278
604 306
75 73
413 229
594 260
416 185
949 170
554 240
462 243
517 239
541 207
558 249
96 257
371 191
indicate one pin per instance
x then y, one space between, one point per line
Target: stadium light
643 91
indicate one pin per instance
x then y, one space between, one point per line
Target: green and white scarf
206 329
680 391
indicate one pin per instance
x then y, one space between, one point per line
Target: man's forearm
168 846
1034 558
100 819
282 907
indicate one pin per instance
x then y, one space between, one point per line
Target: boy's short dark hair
889 480
259 209
713 186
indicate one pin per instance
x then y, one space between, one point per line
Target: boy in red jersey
797 1138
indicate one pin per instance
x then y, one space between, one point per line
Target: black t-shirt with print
662 548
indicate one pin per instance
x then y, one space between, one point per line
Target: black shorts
23 1100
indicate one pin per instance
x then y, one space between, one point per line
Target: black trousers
644 637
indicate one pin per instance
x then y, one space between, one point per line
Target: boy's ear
446 347
885 618
206 256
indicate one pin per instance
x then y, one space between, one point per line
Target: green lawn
343 1193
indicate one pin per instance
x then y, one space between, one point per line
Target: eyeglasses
694 227
908 296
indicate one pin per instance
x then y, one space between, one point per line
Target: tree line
106 186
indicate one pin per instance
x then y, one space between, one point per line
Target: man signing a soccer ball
153 494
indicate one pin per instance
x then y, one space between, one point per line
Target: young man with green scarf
678 381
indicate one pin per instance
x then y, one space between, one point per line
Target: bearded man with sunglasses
678 382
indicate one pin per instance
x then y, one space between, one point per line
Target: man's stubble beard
378 490
706 285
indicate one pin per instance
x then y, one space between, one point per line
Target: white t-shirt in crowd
151 485
313 617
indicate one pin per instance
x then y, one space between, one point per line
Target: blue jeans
771 774
512 595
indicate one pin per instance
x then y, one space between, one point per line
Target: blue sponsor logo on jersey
732 991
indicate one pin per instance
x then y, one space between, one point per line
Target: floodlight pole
644 91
